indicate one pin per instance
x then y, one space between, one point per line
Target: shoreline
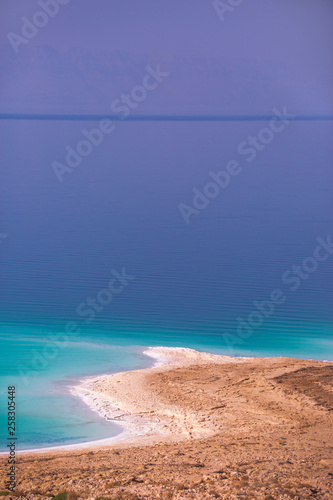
144 422
136 429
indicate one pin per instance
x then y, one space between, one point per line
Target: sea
102 263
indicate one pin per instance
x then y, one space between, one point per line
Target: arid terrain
253 429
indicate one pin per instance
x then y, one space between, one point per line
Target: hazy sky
267 27
291 30
295 35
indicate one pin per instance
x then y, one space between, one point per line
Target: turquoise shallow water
47 413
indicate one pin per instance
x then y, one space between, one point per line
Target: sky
294 30
292 38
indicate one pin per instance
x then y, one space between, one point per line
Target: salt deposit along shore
198 425
127 399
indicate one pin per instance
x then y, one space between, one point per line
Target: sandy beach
198 425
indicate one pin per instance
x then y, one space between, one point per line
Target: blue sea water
193 282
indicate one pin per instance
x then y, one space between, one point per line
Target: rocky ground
269 427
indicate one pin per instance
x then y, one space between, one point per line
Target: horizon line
183 118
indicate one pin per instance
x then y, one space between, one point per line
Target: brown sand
247 429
